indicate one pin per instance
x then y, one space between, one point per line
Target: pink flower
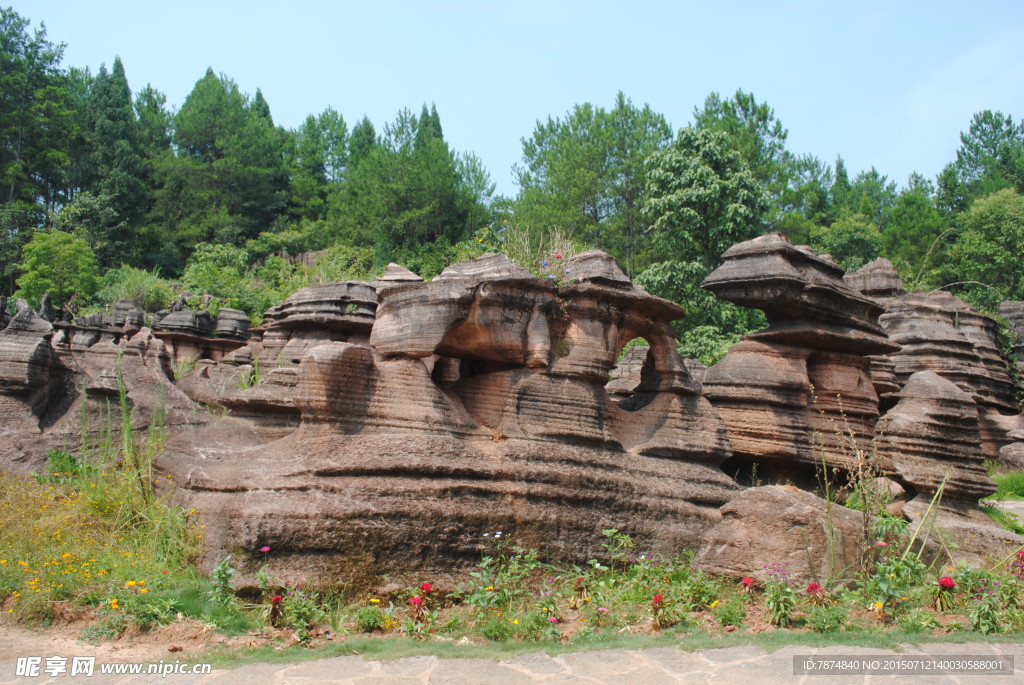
264 549
813 589
602 608
881 543
276 599
552 620
425 588
947 583
416 601
746 582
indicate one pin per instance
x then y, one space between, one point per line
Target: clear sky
884 83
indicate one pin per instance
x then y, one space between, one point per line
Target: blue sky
889 84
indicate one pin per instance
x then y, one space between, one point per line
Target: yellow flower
142 582
130 583
516 621
878 605
374 601
714 604
143 590
113 603
489 588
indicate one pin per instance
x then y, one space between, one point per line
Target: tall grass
90 525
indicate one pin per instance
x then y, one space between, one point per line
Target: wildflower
881 543
374 601
416 601
558 256
602 609
276 599
489 588
813 589
545 263
515 621
143 590
426 588
552 276
142 582
130 583
658 601
947 583
163 572
552 620
265 548
746 582
113 603
715 603
878 605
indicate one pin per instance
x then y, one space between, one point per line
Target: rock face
931 432
1013 312
939 332
58 387
798 391
479 404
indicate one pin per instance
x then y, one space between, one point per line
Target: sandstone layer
478 405
798 394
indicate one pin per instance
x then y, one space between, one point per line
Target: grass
1011 486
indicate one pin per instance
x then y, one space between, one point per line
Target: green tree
852 240
37 125
989 247
407 197
987 161
115 169
702 198
873 195
362 141
754 132
585 173
58 263
228 180
915 223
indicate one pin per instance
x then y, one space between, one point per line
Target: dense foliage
132 197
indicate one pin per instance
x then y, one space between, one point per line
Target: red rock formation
798 391
478 406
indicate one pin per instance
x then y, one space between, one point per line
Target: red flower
416 601
426 588
947 583
658 602
276 599
813 589
558 256
746 582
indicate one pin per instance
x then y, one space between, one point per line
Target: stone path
748 665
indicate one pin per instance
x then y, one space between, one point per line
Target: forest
109 193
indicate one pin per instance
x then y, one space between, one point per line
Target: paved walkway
748 665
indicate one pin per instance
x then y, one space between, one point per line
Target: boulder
773 530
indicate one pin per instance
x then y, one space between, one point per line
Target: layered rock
1013 312
941 333
876 279
798 392
478 405
931 436
340 312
